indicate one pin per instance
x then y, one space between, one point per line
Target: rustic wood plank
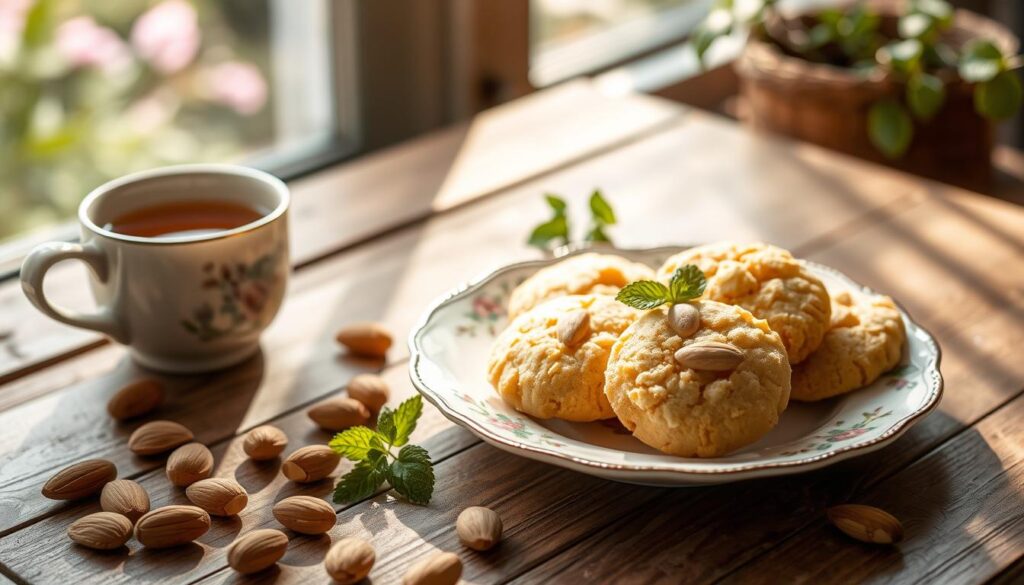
344 206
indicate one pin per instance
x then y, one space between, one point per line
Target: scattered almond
574 328
709 355
136 399
265 442
188 464
125 497
683 319
310 464
219 496
866 523
338 413
171 526
369 389
305 514
350 560
80 480
479 528
158 437
365 339
441 569
258 550
101 531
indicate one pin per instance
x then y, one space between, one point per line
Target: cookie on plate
768 282
577 275
550 361
721 388
865 341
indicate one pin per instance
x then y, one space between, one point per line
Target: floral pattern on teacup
242 293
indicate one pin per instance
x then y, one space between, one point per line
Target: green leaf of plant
545 233
890 128
925 95
356 443
557 203
361 482
687 283
404 419
644 294
981 61
940 10
916 25
903 56
412 474
1000 97
596 234
600 209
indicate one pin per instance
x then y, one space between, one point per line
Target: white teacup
187 303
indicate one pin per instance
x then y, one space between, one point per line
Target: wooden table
381 237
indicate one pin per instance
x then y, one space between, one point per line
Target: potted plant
914 84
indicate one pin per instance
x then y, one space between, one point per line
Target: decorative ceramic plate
450 347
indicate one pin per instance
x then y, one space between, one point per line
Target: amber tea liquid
183 218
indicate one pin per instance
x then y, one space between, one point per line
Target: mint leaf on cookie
686 284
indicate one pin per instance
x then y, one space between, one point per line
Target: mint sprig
687 283
410 471
556 230
601 216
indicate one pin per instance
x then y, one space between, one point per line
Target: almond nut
265 442
257 550
338 414
125 497
365 339
866 523
683 319
350 560
219 496
305 514
136 399
101 531
81 480
158 437
479 528
369 389
310 464
709 355
441 569
171 526
188 464
574 328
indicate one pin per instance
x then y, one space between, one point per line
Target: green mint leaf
361 482
998 98
601 210
412 474
555 229
356 443
687 283
890 128
557 204
644 294
596 234
925 95
386 425
981 61
404 419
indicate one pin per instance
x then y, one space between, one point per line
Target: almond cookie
549 363
768 282
576 275
703 407
866 340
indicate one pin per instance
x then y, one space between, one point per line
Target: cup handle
44 256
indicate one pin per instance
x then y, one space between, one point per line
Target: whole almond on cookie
80 480
188 464
440 569
709 355
369 389
101 531
574 328
305 514
349 561
264 442
479 528
866 523
365 339
171 526
158 437
257 550
125 497
219 496
338 413
311 463
136 399
683 319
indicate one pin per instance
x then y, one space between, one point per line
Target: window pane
94 89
